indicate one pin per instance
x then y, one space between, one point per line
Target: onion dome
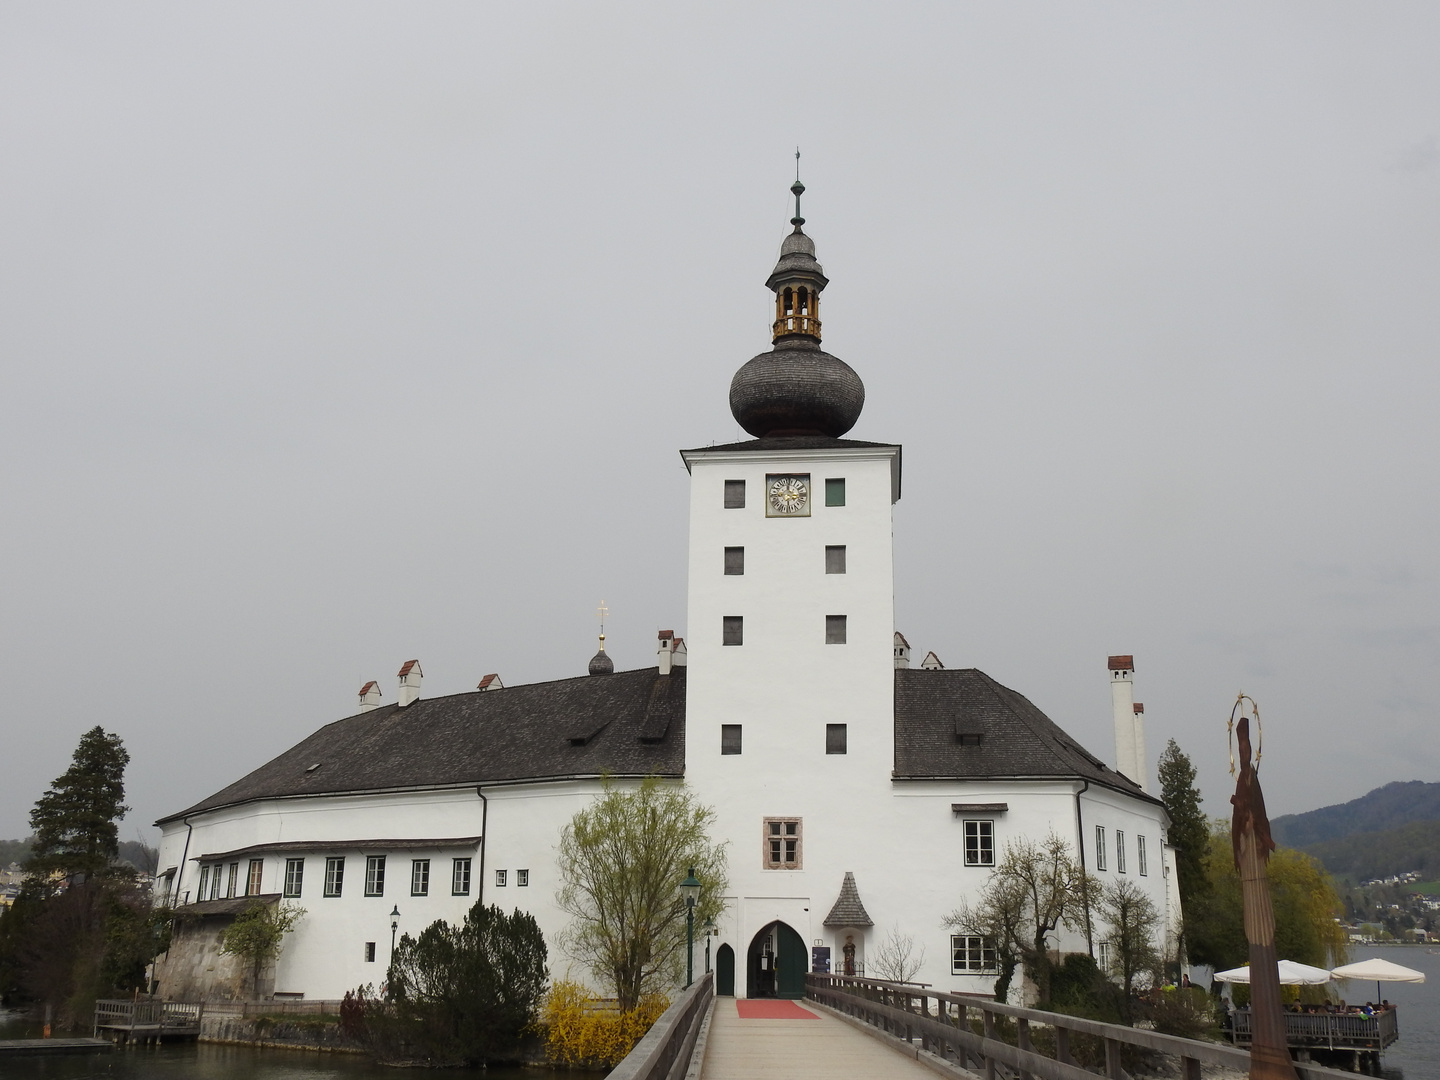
600 664
796 388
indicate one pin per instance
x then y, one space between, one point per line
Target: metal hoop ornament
1236 713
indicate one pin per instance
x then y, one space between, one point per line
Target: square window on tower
782 844
729 739
734 494
835 558
834 629
835 492
836 739
734 561
733 630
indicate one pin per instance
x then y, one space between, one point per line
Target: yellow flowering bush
585 1032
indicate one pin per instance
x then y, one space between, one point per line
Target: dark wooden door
725 971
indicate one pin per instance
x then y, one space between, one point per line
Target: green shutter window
835 492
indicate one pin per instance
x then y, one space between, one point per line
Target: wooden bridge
147 1020
853 1027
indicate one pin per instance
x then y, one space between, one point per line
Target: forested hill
1363 856
1384 808
138 855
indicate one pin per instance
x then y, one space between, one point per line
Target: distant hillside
131 851
1384 808
1361 856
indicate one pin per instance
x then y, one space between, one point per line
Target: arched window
804 301
789 302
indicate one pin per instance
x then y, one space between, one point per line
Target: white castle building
858 794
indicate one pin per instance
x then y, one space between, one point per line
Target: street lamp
394 925
690 890
709 933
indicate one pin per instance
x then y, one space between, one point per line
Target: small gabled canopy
491 682
848 910
931 662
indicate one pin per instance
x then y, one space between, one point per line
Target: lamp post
394 925
690 890
709 933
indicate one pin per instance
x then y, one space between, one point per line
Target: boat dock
146 1020
54 1046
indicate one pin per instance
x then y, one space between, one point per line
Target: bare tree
895 959
1035 890
1133 919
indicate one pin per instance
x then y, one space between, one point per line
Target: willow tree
622 859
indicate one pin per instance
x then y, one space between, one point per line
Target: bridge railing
944 1025
137 1013
664 1053
1332 1031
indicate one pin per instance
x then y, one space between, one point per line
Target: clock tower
790 697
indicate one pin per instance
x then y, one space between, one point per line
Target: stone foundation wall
301 1033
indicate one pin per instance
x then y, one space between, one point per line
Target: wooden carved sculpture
1250 837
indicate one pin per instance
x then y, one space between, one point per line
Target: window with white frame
460 878
500 876
979 843
375 875
294 876
255 877
215 882
972 955
1099 847
204 882
334 875
419 877
1140 855
522 878
233 880
1104 958
1119 852
782 844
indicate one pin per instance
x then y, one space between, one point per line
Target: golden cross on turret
601 612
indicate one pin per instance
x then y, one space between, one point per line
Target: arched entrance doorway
725 971
775 965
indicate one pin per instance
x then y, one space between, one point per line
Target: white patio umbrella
1380 971
1291 974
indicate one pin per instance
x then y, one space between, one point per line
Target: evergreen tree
75 821
1189 832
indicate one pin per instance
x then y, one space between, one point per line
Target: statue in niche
849 952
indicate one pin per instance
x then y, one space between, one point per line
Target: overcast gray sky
334 335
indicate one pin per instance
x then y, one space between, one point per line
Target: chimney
932 662
491 682
370 696
902 651
410 676
664 652
1122 703
677 652
1142 760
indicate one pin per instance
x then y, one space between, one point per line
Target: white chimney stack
677 652
665 651
410 676
932 662
902 651
370 696
1142 760
1129 750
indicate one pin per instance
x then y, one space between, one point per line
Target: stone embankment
251 1024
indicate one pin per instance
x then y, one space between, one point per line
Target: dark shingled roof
848 910
631 723
934 708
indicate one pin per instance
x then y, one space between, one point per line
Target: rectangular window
204 882
972 955
1140 855
1104 958
522 878
979 843
734 494
334 875
294 876
729 738
836 738
834 629
256 876
233 880
460 878
835 492
1119 852
215 882
369 952
782 844
734 561
419 877
835 558
733 630
500 879
375 875
1099 847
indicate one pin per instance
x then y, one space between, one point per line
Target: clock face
787 496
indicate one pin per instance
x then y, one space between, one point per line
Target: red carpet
772 1009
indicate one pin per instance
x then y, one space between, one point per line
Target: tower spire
600 664
799 189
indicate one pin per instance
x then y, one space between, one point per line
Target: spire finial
601 612
799 189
